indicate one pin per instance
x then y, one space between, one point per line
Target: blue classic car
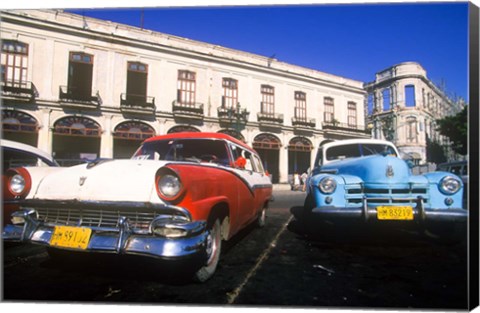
365 180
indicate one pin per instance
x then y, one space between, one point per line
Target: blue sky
351 40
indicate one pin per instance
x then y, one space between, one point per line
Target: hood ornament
389 172
82 180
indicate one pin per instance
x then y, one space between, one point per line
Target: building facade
82 88
403 106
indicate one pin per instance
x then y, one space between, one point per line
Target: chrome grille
389 195
101 218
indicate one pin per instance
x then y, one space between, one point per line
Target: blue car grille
392 195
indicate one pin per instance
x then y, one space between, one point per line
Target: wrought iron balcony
299 122
187 109
337 126
131 103
232 114
270 119
71 96
23 89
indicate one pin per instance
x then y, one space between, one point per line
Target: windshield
357 150
189 150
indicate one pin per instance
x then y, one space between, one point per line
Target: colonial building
403 106
82 88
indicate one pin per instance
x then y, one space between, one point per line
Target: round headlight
449 185
327 185
17 184
169 186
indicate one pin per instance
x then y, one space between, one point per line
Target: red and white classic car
177 198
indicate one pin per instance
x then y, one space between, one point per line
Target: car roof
199 135
352 141
28 148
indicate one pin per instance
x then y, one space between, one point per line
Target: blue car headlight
449 185
327 185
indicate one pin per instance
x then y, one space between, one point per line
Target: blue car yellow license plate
395 213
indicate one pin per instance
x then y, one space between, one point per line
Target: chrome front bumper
366 213
121 240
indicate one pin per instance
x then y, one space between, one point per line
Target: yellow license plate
71 237
395 213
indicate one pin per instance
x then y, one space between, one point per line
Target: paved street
272 267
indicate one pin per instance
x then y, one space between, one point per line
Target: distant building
403 106
82 88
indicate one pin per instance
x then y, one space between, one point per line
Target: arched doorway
183 129
233 133
76 139
299 155
20 127
268 147
128 136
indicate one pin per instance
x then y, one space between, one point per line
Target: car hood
110 180
376 169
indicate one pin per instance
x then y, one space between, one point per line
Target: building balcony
343 127
303 123
19 89
270 119
192 110
231 115
137 104
72 97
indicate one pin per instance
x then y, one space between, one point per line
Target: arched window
300 144
16 121
133 131
77 126
233 133
183 129
267 141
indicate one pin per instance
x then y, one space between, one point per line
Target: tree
455 128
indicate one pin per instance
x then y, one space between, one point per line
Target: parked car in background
366 181
16 154
177 198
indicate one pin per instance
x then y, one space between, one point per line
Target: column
283 165
45 133
106 141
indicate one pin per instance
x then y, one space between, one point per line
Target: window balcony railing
335 125
303 122
270 119
187 109
232 114
72 96
131 103
24 89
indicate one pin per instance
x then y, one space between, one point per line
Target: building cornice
114 33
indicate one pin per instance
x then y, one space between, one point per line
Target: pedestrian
304 181
296 181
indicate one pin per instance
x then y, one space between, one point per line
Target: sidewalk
281 187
